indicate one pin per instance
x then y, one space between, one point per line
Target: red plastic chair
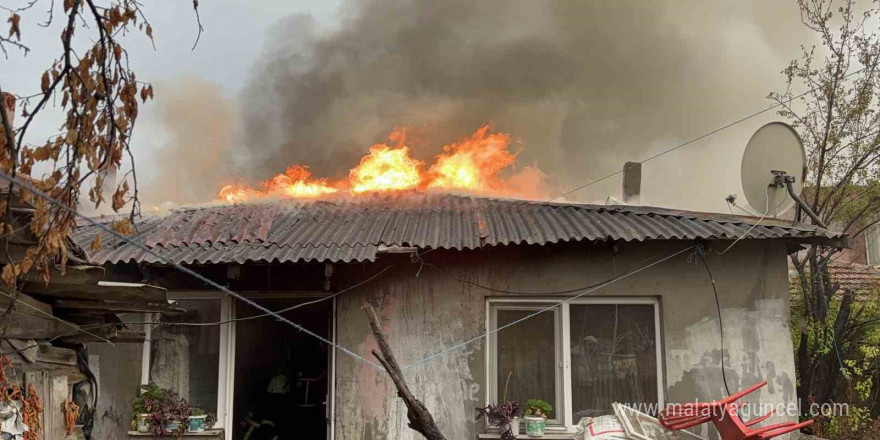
723 414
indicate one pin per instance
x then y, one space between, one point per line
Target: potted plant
168 414
535 417
504 416
160 411
140 414
199 420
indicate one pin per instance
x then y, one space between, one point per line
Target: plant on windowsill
160 411
140 414
503 416
535 417
167 415
199 420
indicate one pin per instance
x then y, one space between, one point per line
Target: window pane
186 358
526 353
613 357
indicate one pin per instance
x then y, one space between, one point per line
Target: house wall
118 369
425 311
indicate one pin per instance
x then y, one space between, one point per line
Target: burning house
627 313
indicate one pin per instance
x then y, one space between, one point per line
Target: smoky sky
581 86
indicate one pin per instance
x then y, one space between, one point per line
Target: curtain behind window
186 358
527 353
613 357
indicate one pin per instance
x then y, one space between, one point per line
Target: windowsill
206 433
547 435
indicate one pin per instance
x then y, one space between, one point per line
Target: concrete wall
425 311
119 375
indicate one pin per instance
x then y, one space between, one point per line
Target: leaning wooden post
419 418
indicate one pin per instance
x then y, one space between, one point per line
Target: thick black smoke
582 85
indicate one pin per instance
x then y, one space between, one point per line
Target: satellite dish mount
774 169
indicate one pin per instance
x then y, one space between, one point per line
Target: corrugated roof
855 277
354 229
858 278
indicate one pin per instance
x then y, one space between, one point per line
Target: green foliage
859 351
165 405
148 392
538 408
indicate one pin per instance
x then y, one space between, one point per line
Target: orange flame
386 169
297 182
476 164
473 163
238 193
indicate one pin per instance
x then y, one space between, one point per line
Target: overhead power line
588 290
696 139
27 186
42 312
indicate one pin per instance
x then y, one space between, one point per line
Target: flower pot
535 426
143 423
514 426
172 426
196 423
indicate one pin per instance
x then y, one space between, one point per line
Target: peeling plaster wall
425 311
119 376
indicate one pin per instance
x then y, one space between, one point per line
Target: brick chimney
632 183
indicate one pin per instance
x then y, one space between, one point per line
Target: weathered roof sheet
353 230
855 277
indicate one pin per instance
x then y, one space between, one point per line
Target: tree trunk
420 418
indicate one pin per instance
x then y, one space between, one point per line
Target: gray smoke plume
581 85
192 157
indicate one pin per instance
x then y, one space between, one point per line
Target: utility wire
763 216
535 293
699 252
248 318
696 139
545 309
184 269
68 323
181 268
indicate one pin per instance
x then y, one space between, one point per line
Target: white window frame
226 371
562 352
492 387
226 354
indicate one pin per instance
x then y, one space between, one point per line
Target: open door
281 383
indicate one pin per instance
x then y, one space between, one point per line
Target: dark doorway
281 374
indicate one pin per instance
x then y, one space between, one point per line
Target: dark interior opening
281 374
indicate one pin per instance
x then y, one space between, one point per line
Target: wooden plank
71 372
31 306
81 275
46 356
56 355
118 307
132 336
84 338
103 290
117 336
27 349
21 326
54 417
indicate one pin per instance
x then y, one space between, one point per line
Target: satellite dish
774 153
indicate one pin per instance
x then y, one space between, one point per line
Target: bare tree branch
420 418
